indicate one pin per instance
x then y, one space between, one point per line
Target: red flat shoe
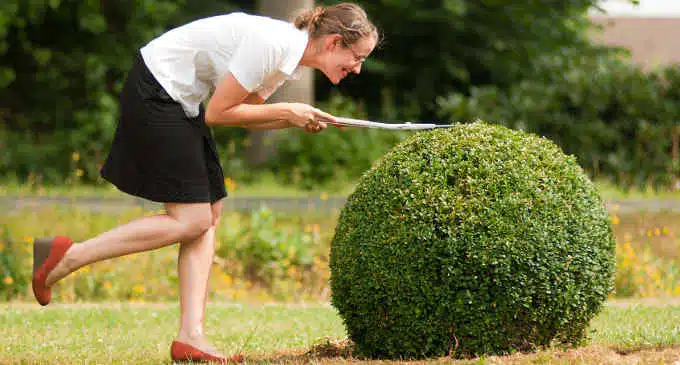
47 252
180 351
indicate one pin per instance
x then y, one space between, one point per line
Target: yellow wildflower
324 196
107 285
79 172
291 271
615 220
139 289
230 184
227 279
75 156
657 232
8 280
29 240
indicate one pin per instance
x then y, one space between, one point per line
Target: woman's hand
307 117
233 105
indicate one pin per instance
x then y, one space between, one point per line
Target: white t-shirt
191 60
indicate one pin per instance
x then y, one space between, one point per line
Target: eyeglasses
357 57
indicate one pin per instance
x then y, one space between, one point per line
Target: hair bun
310 19
317 14
347 19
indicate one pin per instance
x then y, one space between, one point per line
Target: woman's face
339 60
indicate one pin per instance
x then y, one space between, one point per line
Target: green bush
620 121
335 155
265 248
262 256
456 45
62 67
12 278
468 241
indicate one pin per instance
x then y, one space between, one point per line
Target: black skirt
158 153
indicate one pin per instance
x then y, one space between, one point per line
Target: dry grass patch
340 352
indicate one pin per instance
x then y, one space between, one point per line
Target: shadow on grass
326 351
333 351
342 351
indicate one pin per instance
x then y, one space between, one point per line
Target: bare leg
194 264
182 222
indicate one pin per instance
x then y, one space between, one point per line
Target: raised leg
181 222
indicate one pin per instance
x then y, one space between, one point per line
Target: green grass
611 191
141 333
267 185
637 326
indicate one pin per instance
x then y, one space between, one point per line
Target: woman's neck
310 57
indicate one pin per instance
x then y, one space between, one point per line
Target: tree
261 147
433 47
62 66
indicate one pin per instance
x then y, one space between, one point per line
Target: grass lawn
267 185
626 332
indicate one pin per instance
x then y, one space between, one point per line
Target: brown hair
346 19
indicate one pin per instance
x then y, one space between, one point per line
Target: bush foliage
310 159
265 256
474 240
621 122
432 48
62 64
262 255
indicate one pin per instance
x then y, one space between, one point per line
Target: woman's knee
197 224
195 219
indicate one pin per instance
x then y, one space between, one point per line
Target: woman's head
342 35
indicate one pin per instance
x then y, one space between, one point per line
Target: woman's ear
333 41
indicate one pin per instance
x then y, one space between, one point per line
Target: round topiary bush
468 241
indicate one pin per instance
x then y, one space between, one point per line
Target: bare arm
255 99
232 105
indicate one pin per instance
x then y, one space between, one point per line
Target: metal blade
351 122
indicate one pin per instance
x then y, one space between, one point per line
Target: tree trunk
262 145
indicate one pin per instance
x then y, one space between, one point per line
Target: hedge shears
351 122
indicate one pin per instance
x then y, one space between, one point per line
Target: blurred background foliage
528 64
266 256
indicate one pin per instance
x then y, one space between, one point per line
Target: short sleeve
254 59
271 84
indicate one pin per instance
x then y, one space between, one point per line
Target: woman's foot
180 351
47 254
198 349
199 343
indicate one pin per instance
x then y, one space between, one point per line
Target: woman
163 149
